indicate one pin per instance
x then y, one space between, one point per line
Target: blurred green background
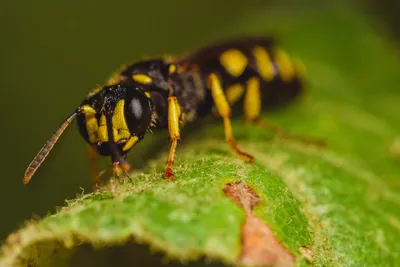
53 53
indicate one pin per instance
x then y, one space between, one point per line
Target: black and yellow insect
163 93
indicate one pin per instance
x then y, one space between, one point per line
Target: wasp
248 74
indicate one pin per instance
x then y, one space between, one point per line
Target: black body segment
259 57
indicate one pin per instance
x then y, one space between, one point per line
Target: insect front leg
174 114
252 110
120 166
224 110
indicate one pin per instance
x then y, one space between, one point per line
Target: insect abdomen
237 61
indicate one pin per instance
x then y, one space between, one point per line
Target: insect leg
252 110
94 172
224 110
120 165
174 113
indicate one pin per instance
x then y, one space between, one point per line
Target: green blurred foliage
53 53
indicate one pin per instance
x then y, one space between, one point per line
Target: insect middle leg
224 110
174 114
252 110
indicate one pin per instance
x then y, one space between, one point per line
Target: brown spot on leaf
259 245
243 195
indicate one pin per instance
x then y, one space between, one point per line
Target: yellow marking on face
120 127
147 94
264 63
174 114
233 61
91 123
142 78
172 69
87 109
130 143
285 65
252 100
102 135
234 92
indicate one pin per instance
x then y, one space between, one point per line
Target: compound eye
137 111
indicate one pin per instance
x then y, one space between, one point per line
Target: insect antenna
41 156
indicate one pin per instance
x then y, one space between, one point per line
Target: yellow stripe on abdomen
285 65
234 62
264 63
234 93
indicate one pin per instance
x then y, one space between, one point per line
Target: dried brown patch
259 245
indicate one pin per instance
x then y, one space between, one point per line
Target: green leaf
337 206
